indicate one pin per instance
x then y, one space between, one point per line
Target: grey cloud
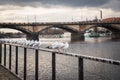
113 4
75 3
9 8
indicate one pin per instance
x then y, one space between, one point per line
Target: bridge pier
77 37
33 36
116 35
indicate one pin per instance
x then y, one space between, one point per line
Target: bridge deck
5 74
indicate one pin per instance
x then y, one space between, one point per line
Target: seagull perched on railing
66 45
59 45
36 44
26 43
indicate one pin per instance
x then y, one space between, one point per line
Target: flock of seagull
36 44
28 43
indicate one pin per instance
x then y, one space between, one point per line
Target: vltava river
67 67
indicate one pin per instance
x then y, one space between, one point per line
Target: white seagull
36 44
59 45
65 46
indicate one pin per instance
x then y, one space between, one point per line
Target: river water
67 67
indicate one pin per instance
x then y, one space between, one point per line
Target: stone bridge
77 29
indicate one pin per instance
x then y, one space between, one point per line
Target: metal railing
79 56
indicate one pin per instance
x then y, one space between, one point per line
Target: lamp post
100 14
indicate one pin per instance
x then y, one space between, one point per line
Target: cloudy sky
56 10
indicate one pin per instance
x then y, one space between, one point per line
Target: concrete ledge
6 74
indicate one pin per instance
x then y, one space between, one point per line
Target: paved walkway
7 75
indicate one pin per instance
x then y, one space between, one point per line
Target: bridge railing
80 57
56 23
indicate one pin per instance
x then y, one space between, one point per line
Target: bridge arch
75 34
114 29
64 27
107 26
28 33
17 28
110 27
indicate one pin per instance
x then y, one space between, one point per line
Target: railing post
36 64
80 69
16 60
0 53
25 63
10 57
53 66
4 54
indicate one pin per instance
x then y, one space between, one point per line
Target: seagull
53 46
59 45
66 45
36 44
30 43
